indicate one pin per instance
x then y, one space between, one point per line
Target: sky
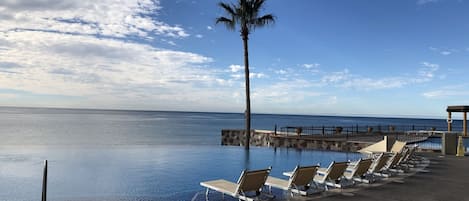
321 57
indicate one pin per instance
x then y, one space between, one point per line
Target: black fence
350 130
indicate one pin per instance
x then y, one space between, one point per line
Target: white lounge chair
387 169
358 171
378 165
392 165
411 160
398 146
332 175
299 182
248 187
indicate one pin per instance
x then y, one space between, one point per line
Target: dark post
44 183
323 129
275 131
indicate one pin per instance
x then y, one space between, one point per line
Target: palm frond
245 14
264 20
229 9
257 5
229 23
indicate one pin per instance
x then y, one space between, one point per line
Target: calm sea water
135 155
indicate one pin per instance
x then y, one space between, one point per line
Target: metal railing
350 130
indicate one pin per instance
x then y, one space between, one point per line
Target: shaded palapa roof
458 108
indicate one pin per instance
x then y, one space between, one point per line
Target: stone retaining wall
268 138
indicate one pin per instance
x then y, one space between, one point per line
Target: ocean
144 155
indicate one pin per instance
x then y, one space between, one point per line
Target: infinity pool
138 172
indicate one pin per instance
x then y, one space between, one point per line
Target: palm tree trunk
248 95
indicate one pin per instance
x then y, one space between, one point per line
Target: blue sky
361 57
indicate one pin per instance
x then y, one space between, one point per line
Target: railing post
44 182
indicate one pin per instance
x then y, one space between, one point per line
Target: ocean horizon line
386 116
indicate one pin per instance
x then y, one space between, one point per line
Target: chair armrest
322 171
288 174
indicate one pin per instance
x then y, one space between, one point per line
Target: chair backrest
410 153
336 170
398 146
302 176
394 159
252 180
362 167
405 155
379 162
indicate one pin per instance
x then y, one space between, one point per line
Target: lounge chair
392 164
402 163
332 175
411 160
388 168
358 171
299 182
247 188
378 165
398 146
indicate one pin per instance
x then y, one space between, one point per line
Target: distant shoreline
213 112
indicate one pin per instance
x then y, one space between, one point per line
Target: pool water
139 172
435 143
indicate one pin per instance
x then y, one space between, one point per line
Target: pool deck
447 179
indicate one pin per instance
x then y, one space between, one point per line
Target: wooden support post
464 124
450 121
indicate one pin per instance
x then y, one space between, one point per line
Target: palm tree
246 15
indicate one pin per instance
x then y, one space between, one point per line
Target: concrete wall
238 137
267 138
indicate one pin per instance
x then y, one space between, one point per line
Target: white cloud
237 76
257 75
236 68
345 79
445 53
426 73
448 92
290 92
88 17
171 42
445 93
336 77
109 73
309 66
209 28
423 2
281 72
199 36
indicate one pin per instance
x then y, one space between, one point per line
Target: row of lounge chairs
306 180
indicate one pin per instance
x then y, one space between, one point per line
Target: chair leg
206 194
